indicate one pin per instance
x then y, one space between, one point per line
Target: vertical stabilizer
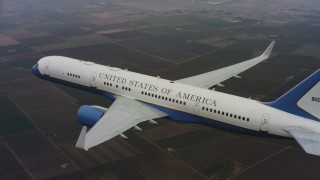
302 100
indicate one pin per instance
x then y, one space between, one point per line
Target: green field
170 21
8 109
222 170
76 93
24 63
84 97
11 118
117 170
14 124
188 139
217 23
88 39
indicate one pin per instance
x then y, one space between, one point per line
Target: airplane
138 98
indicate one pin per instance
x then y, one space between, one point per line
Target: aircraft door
93 80
46 68
196 107
264 122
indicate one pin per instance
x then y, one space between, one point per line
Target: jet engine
90 115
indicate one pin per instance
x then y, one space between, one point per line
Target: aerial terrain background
172 39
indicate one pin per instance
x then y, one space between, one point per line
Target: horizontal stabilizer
308 140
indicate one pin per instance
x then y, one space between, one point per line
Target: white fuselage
212 105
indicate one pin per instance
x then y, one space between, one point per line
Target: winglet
82 138
268 51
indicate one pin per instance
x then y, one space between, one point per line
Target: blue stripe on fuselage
173 114
190 118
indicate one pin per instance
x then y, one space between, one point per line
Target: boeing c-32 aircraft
138 98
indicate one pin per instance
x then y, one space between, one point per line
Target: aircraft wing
212 78
122 115
308 140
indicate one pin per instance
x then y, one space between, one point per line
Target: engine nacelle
90 115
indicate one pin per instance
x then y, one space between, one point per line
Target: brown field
172 39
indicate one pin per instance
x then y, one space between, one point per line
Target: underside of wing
308 140
215 77
123 114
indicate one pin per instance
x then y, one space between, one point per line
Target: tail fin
302 100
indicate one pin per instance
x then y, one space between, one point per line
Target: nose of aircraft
35 70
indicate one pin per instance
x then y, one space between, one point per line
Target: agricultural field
170 39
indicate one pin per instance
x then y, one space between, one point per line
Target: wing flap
212 78
308 140
123 114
